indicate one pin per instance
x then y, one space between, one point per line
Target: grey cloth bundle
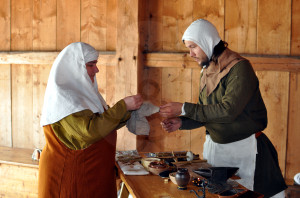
138 124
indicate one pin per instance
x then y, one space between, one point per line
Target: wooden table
153 186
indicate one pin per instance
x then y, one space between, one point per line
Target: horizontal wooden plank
106 58
17 156
259 62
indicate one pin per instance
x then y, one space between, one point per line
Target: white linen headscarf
69 88
204 34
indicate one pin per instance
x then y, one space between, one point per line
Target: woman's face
92 69
197 53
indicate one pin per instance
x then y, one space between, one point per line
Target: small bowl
157 167
172 177
146 161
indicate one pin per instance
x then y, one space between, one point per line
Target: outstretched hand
133 102
170 110
171 124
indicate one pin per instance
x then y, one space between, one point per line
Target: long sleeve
81 129
235 110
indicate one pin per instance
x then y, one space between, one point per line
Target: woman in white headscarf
231 109
80 129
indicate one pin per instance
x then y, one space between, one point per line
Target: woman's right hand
133 102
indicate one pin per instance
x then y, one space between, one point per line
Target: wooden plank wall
46 25
250 27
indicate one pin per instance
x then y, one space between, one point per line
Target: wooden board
5 106
197 135
111 27
44 25
295 39
240 25
155 30
151 91
93 23
211 10
176 87
274 27
127 67
275 95
293 146
40 74
22 106
21 25
5 25
68 26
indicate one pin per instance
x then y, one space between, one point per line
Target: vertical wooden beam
5 77
130 60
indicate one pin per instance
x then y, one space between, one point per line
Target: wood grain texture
176 87
22 106
155 30
211 10
151 91
197 135
274 27
275 94
295 40
5 21
93 23
68 23
11 185
293 146
240 25
21 25
44 25
127 67
40 74
111 27
5 106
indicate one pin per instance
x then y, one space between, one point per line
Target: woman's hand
171 124
170 110
133 102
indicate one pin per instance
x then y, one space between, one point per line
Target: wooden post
129 55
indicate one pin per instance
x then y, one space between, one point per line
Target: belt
258 134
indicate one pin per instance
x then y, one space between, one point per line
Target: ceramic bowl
146 161
157 167
172 177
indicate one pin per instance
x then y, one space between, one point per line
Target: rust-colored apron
84 173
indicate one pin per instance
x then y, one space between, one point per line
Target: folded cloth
138 124
133 168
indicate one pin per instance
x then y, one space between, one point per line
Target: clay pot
182 178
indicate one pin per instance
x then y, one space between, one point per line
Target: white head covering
70 89
204 34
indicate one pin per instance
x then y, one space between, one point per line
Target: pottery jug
182 178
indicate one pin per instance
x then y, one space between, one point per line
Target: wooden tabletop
153 186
